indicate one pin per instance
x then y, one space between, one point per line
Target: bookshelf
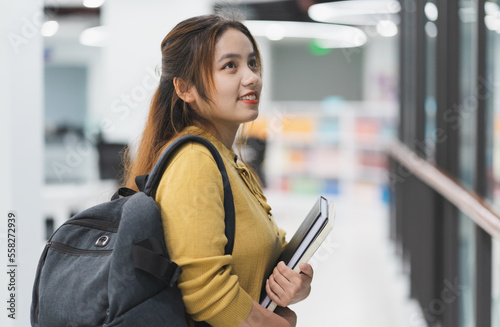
328 147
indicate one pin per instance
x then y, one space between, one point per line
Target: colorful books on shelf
306 240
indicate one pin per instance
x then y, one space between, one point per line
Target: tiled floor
358 278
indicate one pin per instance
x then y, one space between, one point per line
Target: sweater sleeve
190 197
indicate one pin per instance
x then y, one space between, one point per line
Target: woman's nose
251 78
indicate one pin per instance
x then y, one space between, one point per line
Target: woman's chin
253 116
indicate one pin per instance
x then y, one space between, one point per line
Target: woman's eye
229 65
253 64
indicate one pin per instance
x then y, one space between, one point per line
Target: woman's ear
184 91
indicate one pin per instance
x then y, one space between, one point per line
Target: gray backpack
108 265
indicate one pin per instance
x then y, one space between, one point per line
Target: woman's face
237 80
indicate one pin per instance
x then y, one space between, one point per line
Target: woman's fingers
286 286
284 270
275 294
306 269
282 289
290 279
276 287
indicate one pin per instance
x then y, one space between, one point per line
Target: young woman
210 84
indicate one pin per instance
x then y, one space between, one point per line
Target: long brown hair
187 53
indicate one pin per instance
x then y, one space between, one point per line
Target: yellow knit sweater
216 288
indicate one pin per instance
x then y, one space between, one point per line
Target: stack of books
306 240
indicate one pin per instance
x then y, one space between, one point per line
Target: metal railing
451 189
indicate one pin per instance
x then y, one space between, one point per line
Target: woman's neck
225 135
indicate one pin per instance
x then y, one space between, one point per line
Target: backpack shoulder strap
150 182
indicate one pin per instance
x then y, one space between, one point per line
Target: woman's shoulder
191 168
192 150
192 155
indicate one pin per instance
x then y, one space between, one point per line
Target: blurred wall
301 75
21 144
66 108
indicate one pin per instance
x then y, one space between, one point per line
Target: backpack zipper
95 223
75 251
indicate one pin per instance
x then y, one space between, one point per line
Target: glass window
466 270
467 92
495 303
490 90
431 16
467 109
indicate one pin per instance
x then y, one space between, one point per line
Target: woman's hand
286 286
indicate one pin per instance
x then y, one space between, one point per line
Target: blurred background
388 108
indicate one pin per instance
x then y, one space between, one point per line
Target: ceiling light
431 11
387 28
491 8
431 29
328 35
50 28
492 23
275 32
94 36
356 12
93 3
492 18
